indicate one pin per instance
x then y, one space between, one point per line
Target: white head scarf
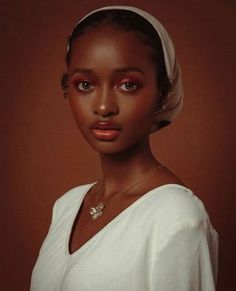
174 101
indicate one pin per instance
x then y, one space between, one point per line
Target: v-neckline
110 223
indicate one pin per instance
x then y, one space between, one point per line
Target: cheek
74 103
78 113
141 112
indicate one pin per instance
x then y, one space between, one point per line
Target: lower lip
106 134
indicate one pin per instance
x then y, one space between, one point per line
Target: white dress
164 241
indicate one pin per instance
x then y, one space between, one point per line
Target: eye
128 86
84 86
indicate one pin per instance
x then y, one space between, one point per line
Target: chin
107 148
115 147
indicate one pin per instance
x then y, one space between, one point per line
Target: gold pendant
97 211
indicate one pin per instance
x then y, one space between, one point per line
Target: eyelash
134 86
87 86
82 83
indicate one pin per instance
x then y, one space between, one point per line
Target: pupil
86 85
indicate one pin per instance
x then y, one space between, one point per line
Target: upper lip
105 125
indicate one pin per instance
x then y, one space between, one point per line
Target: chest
85 227
116 256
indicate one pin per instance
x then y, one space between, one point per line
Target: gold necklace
97 211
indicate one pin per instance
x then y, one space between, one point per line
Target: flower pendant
97 211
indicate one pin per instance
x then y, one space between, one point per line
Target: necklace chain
97 211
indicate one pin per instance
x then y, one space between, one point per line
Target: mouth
105 130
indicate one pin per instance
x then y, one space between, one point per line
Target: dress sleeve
187 260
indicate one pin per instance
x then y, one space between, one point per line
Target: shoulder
182 236
70 199
177 213
175 203
74 193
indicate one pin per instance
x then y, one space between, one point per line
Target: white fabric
174 101
164 242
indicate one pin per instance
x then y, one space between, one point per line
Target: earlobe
163 108
158 111
157 123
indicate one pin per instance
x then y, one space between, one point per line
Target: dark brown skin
111 77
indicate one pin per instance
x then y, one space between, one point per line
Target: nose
105 103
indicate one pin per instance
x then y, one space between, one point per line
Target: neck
126 167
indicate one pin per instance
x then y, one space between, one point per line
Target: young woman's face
112 88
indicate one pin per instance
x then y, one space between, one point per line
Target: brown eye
128 86
84 86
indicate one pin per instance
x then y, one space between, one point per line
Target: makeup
105 130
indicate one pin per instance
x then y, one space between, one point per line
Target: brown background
43 155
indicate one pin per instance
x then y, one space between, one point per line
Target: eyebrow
118 70
82 71
129 69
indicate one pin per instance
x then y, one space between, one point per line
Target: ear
160 103
64 84
158 112
157 122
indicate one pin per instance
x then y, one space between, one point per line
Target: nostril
105 114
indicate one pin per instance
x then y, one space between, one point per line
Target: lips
105 130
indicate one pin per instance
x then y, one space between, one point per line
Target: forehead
104 41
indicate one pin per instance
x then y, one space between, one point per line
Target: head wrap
174 101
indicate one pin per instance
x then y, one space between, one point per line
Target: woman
138 227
